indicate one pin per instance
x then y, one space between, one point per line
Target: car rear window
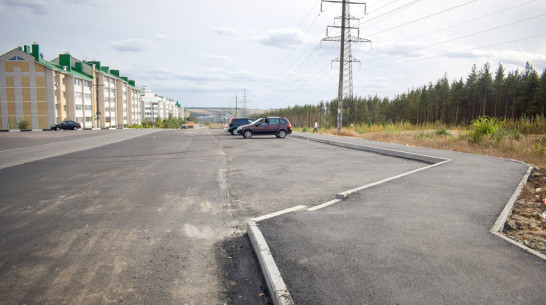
283 121
273 121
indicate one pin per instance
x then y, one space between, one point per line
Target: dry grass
529 148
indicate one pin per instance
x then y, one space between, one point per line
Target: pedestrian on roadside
315 128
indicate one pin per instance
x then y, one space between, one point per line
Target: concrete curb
498 227
275 283
377 150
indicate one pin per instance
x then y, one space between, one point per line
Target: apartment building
29 89
156 106
75 93
46 92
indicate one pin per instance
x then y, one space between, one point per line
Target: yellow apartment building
29 87
66 88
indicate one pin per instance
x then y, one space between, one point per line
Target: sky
270 54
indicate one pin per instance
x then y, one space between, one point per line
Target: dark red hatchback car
277 126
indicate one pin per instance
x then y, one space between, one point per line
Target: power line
423 18
458 52
294 47
456 38
467 21
394 11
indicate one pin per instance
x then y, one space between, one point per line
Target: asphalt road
155 217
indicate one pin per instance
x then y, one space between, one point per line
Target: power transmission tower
236 108
346 59
244 102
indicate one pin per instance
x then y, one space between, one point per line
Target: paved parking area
419 239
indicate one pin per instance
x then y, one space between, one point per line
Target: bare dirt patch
527 223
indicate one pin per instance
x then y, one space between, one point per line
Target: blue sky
203 53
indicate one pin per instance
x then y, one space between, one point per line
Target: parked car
68 124
278 126
236 122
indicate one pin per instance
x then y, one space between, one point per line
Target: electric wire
392 12
467 21
457 52
423 18
280 53
456 38
301 70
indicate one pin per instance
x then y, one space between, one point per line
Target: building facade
45 92
28 89
156 106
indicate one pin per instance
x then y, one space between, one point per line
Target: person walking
315 128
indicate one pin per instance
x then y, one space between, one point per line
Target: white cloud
38 7
217 57
272 49
161 36
132 45
284 38
226 31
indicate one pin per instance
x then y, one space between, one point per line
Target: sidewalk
419 238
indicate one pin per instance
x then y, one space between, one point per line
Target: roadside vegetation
523 139
168 123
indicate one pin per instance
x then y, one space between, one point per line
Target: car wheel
234 131
247 134
75 128
57 128
281 134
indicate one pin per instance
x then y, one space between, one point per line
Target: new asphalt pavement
426 236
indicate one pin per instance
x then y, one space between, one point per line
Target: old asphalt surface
412 232
421 238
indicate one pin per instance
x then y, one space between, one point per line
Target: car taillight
231 121
289 125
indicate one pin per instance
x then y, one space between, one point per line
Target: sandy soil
526 222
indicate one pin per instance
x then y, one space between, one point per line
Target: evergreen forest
499 94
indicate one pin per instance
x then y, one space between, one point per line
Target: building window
16 58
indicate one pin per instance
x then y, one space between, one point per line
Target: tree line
506 96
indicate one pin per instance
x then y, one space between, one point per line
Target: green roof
60 68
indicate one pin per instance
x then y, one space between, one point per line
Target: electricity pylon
346 59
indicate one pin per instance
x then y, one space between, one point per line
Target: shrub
442 130
483 126
391 128
23 124
423 135
304 129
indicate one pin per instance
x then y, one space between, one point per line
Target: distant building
156 106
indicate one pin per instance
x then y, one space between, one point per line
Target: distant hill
219 115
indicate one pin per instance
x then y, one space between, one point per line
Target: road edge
498 227
275 283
